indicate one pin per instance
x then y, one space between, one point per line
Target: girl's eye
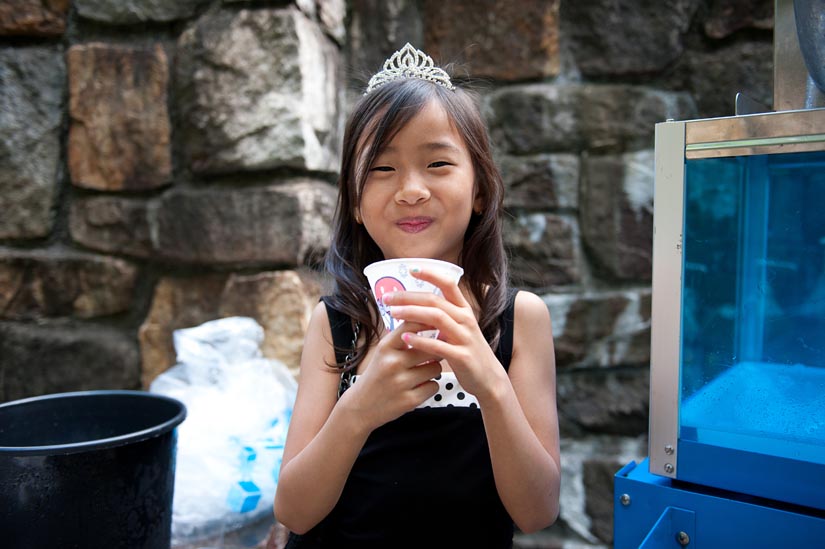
382 169
439 164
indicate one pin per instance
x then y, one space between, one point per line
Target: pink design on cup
384 286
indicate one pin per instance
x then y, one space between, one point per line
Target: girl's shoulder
533 349
530 311
318 326
526 300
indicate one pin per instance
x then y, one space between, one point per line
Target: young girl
398 440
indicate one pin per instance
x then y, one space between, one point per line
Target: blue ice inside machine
753 306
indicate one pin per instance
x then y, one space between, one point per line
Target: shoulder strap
504 353
341 327
343 336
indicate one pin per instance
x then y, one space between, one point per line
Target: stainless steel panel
667 297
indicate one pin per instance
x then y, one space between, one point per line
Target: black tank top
424 479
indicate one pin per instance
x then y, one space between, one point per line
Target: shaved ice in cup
394 275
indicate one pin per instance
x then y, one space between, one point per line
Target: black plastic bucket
87 470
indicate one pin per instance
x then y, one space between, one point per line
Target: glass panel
753 310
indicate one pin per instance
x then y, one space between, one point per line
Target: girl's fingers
415 358
425 390
430 346
445 283
430 317
427 370
396 337
402 301
420 315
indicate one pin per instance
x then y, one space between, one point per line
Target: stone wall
167 163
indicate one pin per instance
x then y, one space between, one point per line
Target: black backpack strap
504 353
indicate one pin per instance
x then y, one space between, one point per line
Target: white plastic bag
229 448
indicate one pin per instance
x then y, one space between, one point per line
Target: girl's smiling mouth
414 224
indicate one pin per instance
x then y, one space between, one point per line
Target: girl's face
420 192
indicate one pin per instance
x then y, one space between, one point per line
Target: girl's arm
326 436
521 421
519 410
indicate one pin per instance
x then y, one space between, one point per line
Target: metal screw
683 538
625 499
668 467
669 450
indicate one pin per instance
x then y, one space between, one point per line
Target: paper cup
393 275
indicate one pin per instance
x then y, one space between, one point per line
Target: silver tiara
409 62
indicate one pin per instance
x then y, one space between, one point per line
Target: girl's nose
412 190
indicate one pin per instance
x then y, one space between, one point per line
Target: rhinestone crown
409 62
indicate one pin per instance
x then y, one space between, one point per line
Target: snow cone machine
737 381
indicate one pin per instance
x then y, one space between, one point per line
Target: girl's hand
396 380
460 339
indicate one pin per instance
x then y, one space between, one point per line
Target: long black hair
375 120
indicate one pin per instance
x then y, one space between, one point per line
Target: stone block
534 118
331 15
119 136
604 401
616 214
51 283
281 224
377 29
601 329
576 453
177 303
258 89
31 115
125 12
540 182
39 359
608 38
280 301
543 249
541 118
715 77
286 224
517 40
33 17
598 495
111 224
728 16
308 7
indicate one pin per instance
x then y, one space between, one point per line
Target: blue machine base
650 512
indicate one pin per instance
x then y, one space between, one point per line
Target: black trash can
88 470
